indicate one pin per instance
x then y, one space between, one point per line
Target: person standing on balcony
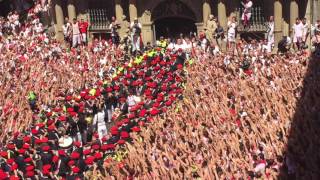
270 32
297 34
83 26
135 33
67 31
246 15
114 26
211 27
305 33
76 37
232 29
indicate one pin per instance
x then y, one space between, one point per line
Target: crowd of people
182 109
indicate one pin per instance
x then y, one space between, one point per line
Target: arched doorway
174 26
172 17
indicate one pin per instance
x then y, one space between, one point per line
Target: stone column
133 10
222 13
59 20
294 13
277 21
222 17
119 10
147 32
308 16
206 9
71 10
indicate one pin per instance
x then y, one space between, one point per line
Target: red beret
46 148
114 128
30 174
98 155
83 94
30 168
70 163
10 161
96 135
47 166
13 177
51 128
14 167
27 160
124 134
109 89
95 146
26 139
73 114
62 118
131 116
154 111
104 139
121 142
125 121
50 121
34 131
89 160
135 129
44 140
3 175
49 114
168 103
4 154
70 109
142 113
61 152
45 172
21 151
77 143
75 170
114 133
38 141
55 159
75 155
68 98
87 151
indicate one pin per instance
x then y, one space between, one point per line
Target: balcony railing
99 20
257 21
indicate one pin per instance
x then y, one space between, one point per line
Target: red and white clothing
246 15
83 26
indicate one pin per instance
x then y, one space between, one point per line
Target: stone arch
192 5
172 8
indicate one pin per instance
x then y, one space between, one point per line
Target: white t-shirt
232 27
298 30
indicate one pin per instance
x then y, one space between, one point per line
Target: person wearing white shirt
270 32
297 33
136 31
305 33
76 38
246 15
232 26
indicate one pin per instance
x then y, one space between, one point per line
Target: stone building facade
158 16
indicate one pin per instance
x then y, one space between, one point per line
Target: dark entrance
173 26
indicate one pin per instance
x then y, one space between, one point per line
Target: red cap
87 151
98 155
46 148
75 170
22 151
95 146
30 168
135 129
4 154
11 146
30 174
61 152
124 134
70 163
121 141
75 155
68 98
44 140
26 139
89 160
34 131
77 143
62 118
27 160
